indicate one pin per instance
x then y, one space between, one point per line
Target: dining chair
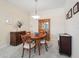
43 40
27 44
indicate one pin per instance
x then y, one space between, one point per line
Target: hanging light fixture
36 12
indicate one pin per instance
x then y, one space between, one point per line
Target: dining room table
37 38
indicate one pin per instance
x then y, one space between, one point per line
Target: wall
72 27
56 16
13 14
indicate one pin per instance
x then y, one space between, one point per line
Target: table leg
39 47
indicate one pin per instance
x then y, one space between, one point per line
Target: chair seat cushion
42 41
26 45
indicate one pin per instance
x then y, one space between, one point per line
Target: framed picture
69 14
76 8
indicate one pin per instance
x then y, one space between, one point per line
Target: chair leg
34 49
39 48
29 53
23 52
46 46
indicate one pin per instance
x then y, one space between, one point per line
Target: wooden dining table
37 39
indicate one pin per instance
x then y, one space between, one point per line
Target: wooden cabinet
15 38
45 25
65 44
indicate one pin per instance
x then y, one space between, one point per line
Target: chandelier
36 16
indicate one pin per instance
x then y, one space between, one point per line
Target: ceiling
29 5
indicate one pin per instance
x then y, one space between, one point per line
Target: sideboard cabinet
15 38
65 44
45 25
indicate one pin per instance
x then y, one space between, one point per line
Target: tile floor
16 51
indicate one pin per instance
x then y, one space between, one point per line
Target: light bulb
36 17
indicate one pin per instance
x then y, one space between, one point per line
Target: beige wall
57 21
72 27
11 13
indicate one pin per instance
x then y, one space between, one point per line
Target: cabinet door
45 25
65 44
12 38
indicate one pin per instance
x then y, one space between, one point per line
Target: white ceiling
29 5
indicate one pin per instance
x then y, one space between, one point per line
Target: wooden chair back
26 38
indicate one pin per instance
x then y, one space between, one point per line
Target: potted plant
19 24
